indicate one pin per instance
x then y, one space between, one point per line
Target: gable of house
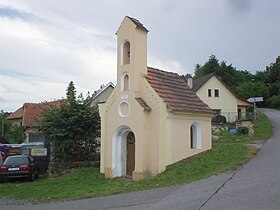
198 83
214 92
217 96
103 94
16 117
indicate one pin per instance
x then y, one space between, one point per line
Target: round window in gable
124 109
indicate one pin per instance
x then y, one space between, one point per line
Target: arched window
125 54
195 136
125 82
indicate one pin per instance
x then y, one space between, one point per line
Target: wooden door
130 158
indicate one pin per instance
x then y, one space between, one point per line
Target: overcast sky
45 44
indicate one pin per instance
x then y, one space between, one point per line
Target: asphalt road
254 186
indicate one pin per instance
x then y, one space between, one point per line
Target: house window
125 83
125 54
209 93
195 136
216 93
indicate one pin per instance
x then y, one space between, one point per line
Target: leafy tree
253 89
273 72
211 66
186 76
264 83
15 135
274 101
71 93
271 78
5 126
227 73
261 76
73 128
12 133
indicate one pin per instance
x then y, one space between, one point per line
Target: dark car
19 166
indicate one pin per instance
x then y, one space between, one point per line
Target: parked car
19 166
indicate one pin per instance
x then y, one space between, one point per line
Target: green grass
230 152
263 128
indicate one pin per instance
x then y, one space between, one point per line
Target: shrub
274 101
243 130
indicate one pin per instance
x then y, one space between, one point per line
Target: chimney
190 82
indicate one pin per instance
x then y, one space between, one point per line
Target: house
29 117
152 118
219 97
103 94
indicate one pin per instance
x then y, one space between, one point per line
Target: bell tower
131 55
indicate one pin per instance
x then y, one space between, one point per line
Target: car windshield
16 161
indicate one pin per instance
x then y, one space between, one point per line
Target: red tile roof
138 23
16 115
175 92
32 113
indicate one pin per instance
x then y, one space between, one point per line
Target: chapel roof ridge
138 23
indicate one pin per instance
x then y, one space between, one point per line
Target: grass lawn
228 153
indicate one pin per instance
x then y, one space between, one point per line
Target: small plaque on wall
124 97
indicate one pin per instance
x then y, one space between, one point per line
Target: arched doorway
123 152
130 158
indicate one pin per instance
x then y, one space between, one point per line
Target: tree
212 65
273 72
15 135
229 74
71 93
253 89
73 128
12 133
274 101
261 76
264 83
186 76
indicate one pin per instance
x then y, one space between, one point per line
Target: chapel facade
152 118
